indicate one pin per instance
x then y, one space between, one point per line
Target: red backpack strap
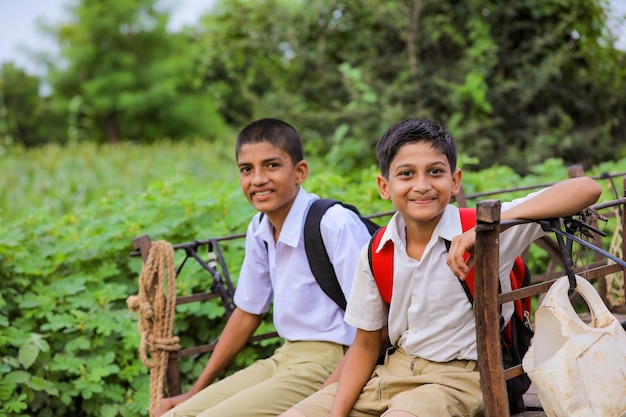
520 277
468 221
519 272
381 264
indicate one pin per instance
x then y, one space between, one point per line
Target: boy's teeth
263 193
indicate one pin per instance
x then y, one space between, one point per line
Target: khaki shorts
413 385
268 387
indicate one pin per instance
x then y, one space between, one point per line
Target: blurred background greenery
515 82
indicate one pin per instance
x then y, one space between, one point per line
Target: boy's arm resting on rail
358 365
561 199
238 330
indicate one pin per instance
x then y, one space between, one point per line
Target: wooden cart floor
531 400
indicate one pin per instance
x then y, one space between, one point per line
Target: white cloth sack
578 369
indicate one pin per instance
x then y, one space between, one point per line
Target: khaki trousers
413 385
269 386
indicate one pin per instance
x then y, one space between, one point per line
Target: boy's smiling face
269 179
420 183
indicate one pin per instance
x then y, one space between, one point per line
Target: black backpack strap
260 220
466 288
320 264
370 250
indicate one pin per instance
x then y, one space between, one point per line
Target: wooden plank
192 298
591 272
197 350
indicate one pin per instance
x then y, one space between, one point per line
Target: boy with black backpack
432 371
276 269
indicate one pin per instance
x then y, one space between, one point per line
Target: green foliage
61 178
125 77
67 281
25 118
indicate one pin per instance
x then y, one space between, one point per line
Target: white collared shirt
430 316
301 310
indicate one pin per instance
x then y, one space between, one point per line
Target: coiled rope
156 303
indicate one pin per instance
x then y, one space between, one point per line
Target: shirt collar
449 226
293 226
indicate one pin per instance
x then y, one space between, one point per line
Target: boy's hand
460 246
166 404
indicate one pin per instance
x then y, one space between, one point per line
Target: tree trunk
112 128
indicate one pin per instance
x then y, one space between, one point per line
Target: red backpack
515 336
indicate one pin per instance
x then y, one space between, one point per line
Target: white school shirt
430 316
301 310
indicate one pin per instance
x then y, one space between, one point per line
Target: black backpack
320 264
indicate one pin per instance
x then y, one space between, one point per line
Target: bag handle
558 296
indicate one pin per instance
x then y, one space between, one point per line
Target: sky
18 25
18 30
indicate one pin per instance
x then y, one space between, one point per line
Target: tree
516 82
557 88
25 117
243 55
130 78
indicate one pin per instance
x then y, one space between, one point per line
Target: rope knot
146 310
133 303
169 344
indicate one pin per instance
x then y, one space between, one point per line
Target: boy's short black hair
274 131
414 131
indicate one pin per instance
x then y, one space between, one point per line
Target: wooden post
173 375
460 198
142 243
487 311
575 171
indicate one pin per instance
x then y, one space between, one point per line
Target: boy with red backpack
432 371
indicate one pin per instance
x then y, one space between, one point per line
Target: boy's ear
457 175
302 171
383 187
